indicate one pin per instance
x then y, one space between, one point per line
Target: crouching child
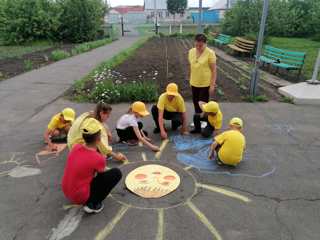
86 181
228 147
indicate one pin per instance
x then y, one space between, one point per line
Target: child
229 145
86 180
170 106
101 113
129 129
59 127
211 114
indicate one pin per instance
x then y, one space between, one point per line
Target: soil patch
165 60
11 67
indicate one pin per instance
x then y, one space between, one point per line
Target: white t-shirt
127 120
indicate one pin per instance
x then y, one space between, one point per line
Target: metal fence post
255 75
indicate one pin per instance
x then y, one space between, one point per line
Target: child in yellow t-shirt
59 126
229 145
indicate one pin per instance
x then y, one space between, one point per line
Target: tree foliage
176 6
290 18
66 20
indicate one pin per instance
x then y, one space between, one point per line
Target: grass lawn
301 45
19 50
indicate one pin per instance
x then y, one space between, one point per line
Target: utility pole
255 75
316 69
200 18
156 15
122 26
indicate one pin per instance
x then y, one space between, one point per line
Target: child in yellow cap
230 144
59 126
170 106
86 180
212 115
130 129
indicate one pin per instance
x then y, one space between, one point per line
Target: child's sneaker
93 208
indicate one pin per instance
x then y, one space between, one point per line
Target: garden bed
157 62
13 66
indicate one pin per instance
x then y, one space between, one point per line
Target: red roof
126 9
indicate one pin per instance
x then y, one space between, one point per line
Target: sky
191 3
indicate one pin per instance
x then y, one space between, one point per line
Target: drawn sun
182 196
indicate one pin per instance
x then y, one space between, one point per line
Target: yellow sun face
152 181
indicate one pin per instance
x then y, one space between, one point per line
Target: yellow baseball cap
140 107
90 126
236 122
172 89
68 114
211 107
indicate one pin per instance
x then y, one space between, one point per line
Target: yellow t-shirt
56 123
200 75
232 146
216 121
75 135
176 105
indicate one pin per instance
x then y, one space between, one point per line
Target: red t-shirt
82 164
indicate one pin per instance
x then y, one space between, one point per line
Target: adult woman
101 113
202 71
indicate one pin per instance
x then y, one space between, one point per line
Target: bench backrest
285 56
245 44
223 37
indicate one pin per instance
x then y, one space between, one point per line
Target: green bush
28 20
58 55
27 65
285 18
81 20
109 92
84 47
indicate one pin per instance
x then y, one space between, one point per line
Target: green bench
222 39
281 58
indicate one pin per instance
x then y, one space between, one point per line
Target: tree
176 6
81 20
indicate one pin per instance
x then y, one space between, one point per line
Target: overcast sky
191 3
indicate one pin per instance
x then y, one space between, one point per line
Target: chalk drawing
282 128
21 171
194 151
16 167
162 147
160 230
67 225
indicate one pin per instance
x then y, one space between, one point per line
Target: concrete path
273 194
23 96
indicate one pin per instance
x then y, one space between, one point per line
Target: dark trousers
175 117
129 134
102 185
199 94
208 130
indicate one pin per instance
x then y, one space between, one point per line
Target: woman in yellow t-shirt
202 71
101 113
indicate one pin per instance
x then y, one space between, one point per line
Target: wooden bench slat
237 48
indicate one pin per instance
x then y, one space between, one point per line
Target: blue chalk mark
194 152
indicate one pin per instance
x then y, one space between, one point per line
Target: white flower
144 72
133 81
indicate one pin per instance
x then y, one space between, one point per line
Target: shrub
81 20
28 20
27 65
84 47
285 18
58 55
127 92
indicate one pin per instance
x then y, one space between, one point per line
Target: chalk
21 171
162 147
205 221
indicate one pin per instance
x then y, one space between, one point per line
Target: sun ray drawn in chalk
162 147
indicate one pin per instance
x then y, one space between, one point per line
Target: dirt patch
165 60
14 66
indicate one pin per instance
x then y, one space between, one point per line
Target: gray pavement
281 205
23 96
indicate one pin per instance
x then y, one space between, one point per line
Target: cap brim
68 119
146 113
173 93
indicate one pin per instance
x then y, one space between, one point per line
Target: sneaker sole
89 210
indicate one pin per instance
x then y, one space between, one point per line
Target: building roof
126 9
